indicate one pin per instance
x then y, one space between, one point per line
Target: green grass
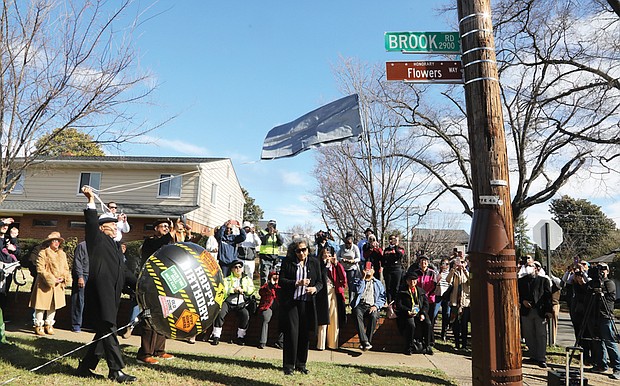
195 369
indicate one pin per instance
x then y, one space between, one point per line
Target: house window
169 185
213 193
91 179
19 184
44 223
77 224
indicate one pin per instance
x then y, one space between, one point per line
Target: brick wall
386 338
28 230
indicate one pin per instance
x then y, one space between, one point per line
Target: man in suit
107 277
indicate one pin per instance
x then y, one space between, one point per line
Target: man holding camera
269 250
604 292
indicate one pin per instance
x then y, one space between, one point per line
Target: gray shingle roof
135 159
77 208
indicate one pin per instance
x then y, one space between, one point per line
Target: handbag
251 305
389 312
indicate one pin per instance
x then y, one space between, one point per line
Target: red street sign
425 71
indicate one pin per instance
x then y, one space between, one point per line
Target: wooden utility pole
496 349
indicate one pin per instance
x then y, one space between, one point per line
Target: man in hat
369 299
238 290
106 279
152 343
604 292
269 250
247 249
413 321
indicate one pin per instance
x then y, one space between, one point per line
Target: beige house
47 197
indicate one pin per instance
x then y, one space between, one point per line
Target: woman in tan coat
48 293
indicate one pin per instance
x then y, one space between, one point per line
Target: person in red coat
330 301
268 307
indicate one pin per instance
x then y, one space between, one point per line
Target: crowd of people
311 292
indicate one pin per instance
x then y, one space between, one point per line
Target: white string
143 184
104 207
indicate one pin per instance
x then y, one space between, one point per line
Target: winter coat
50 266
288 274
268 296
404 304
227 252
359 286
339 278
460 288
107 275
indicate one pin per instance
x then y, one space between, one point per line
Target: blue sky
233 70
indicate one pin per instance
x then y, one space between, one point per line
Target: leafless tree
559 67
358 186
65 64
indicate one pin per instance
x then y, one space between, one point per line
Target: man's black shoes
120 377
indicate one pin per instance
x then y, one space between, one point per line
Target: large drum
181 286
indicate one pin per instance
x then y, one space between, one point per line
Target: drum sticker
175 280
169 305
187 321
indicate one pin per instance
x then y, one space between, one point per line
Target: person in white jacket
247 249
122 226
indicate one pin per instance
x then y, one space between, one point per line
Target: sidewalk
456 366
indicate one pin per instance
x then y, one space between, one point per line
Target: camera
320 237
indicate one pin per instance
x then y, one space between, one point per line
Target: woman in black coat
412 310
300 279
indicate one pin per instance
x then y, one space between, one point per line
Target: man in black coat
107 277
535 307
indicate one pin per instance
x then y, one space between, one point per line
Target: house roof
608 258
77 208
190 160
448 234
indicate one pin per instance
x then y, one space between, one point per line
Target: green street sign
423 42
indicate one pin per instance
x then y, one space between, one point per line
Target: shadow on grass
249 363
396 373
43 350
28 354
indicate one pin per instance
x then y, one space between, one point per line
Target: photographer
269 250
604 292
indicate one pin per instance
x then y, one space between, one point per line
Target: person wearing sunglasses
122 226
300 279
239 292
